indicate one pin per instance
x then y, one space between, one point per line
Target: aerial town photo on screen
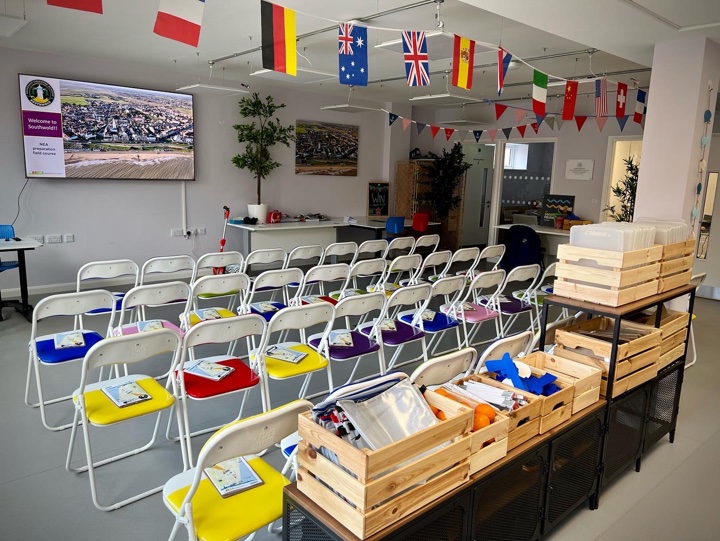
126 133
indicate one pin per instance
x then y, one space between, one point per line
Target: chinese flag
93 6
571 90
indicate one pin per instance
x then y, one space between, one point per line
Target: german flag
462 64
279 51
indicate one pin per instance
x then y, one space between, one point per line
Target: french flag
180 20
93 6
504 59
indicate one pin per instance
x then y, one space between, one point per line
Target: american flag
600 97
345 38
417 65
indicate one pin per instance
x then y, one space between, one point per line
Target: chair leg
42 403
694 348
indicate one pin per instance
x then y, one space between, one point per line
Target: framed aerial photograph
323 148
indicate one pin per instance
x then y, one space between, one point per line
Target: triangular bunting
507 132
580 121
462 134
492 133
622 120
499 110
522 129
550 121
448 133
392 117
535 126
434 130
601 120
519 115
420 127
539 119
406 123
559 122
477 134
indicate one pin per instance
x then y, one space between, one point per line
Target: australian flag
352 54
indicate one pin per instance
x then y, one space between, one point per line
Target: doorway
478 193
619 149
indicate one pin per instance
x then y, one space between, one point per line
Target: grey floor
674 496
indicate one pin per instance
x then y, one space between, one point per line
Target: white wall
118 219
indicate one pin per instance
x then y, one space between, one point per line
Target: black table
20 246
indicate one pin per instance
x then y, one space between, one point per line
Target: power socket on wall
53 239
39 238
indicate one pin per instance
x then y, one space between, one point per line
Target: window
516 156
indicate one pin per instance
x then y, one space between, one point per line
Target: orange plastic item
441 415
486 409
480 421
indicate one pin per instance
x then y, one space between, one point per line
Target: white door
478 192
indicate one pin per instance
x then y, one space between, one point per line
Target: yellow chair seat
103 411
282 369
224 519
224 313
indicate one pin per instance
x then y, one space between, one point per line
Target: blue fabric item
439 323
395 224
48 354
505 368
536 385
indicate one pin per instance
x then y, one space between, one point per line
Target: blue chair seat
270 313
7 265
362 345
118 304
48 354
439 323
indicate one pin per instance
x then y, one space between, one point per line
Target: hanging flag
601 121
448 133
519 115
462 134
504 59
406 123
434 130
93 6
417 65
622 120
571 90
550 121
277 26
580 121
180 21
420 127
477 134
507 132
535 126
621 100
392 117
539 95
492 133
499 110
522 129
352 54
539 119
600 97
640 106
559 122
462 63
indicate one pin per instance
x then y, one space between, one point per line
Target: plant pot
259 212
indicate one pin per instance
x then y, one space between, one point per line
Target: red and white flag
180 20
93 6
601 97
621 100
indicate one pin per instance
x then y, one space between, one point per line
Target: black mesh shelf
664 398
301 527
623 443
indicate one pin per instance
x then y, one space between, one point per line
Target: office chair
6 232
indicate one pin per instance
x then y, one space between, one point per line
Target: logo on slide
39 93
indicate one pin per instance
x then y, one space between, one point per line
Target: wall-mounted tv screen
75 129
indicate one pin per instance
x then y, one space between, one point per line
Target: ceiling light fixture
202 88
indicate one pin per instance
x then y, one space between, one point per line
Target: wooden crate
570 338
673 322
676 266
610 278
370 490
584 379
482 455
524 422
677 250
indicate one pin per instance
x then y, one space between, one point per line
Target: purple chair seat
362 345
514 306
402 334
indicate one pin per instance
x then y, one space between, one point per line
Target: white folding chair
398 266
480 304
362 345
340 249
468 257
271 280
494 251
514 346
298 318
697 280
371 249
363 268
150 296
219 263
321 275
427 241
538 291
94 407
431 262
403 333
265 256
445 368
102 271
214 286
302 256
513 308
400 244
200 508
169 264
46 353
241 377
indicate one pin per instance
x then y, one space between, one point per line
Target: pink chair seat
480 313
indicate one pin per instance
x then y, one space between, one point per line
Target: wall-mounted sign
579 169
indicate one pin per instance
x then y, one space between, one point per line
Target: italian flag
540 82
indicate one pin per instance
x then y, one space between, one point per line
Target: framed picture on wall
378 199
324 148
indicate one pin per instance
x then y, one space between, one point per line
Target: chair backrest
486 280
401 243
420 221
491 252
547 274
104 270
265 256
523 273
73 304
367 267
301 317
323 273
448 286
371 247
276 278
7 231
522 247
220 284
409 295
359 305
154 295
340 249
395 225
221 331
405 263
217 260
167 264
304 253
698 279
465 254
512 345
427 241
434 259
444 368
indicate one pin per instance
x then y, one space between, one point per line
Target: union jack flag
345 38
417 65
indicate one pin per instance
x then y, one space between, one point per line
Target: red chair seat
243 377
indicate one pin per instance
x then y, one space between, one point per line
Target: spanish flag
462 64
279 50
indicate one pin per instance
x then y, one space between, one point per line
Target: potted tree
259 136
446 174
624 191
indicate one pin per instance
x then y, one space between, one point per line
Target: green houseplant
259 136
625 192
446 173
